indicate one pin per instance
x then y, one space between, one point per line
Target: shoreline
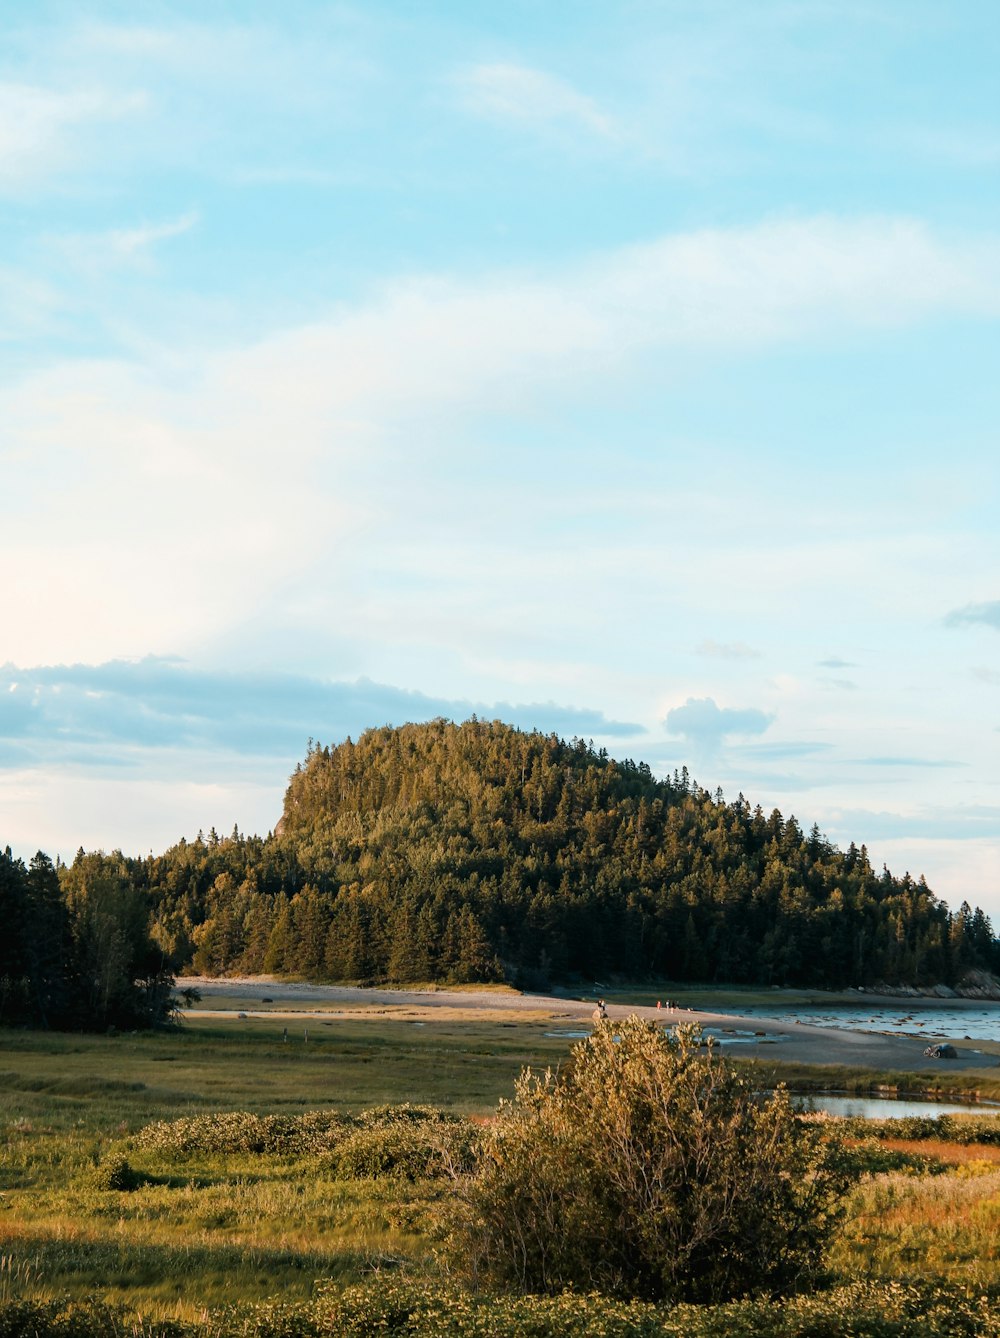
752 1037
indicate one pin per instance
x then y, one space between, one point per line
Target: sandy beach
789 1041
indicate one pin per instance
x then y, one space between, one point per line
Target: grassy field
233 1228
208 1229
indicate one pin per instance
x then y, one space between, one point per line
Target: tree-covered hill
474 852
480 852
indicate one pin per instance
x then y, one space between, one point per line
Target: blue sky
622 370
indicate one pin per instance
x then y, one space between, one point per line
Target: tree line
479 852
76 951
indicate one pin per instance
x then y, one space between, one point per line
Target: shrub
406 1150
392 1151
648 1168
243 1132
965 1129
113 1172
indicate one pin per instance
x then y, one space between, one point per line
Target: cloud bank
706 725
111 714
987 613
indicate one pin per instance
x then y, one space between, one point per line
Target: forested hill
479 852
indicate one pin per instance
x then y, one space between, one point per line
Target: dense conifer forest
478 852
75 945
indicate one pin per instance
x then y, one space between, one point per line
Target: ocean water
980 1022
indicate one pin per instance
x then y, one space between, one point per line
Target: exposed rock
978 985
941 1050
973 985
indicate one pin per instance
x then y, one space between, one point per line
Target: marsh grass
945 1226
221 1229
210 1229
102 1082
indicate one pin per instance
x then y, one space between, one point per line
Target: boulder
941 1050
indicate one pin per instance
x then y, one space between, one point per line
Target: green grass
102 1082
207 1230
231 1229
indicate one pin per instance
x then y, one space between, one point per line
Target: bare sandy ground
790 1042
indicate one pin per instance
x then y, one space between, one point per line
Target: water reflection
888 1108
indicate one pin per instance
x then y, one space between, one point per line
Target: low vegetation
175 1184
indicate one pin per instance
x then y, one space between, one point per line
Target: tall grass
208 1226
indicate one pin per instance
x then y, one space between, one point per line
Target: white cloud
987 613
129 241
727 650
518 93
37 125
164 502
705 725
93 253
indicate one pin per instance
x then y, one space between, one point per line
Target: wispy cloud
838 684
727 650
905 762
967 823
969 147
987 613
834 663
128 241
247 439
781 752
129 248
37 125
527 96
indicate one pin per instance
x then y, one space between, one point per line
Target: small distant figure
601 1011
284 1035
305 1035
659 1004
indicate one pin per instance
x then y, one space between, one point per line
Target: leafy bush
402 1140
113 1172
965 1129
392 1306
647 1167
242 1132
410 1151
869 1156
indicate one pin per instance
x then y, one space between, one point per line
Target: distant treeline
478 852
75 947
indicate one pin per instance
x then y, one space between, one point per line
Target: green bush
869 1156
398 1307
966 1129
648 1168
113 1172
242 1132
400 1140
389 1151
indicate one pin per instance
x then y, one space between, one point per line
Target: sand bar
785 1040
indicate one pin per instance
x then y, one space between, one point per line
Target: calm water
981 1022
887 1108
